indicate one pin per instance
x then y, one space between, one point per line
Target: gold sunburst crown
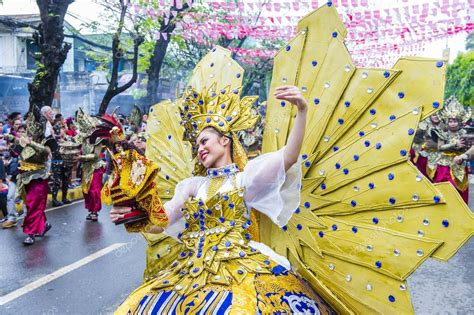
453 109
222 110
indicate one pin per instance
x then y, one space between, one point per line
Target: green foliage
41 73
146 51
139 93
104 31
102 60
460 78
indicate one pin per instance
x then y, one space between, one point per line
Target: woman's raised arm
295 140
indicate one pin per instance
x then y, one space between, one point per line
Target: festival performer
92 172
347 209
93 167
424 153
32 182
451 144
132 179
228 192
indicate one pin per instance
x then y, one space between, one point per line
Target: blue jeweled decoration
227 170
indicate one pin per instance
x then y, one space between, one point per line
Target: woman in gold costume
220 268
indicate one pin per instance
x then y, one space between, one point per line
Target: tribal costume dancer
353 216
92 172
32 182
93 167
452 143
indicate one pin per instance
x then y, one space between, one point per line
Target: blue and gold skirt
280 292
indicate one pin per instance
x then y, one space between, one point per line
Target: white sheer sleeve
271 190
184 189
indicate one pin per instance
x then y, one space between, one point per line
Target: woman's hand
118 213
293 95
461 143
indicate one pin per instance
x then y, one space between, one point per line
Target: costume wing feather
166 147
367 217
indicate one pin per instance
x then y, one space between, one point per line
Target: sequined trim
227 170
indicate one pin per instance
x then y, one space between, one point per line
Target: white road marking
58 273
64 206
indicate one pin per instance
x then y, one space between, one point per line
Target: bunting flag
386 31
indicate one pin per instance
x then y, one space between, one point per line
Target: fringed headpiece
86 123
453 109
35 127
109 129
222 110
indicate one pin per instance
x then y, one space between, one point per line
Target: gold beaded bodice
215 245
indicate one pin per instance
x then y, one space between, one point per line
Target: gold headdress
453 109
35 127
217 107
86 123
135 118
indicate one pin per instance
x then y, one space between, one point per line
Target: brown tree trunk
158 57
156 62
52 53
117 53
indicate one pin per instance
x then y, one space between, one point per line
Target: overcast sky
88 10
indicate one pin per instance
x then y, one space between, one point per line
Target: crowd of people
59 159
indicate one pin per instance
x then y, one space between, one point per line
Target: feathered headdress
86 123
135 117
35 127
455 110
109 129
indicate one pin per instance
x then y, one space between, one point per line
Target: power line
15 23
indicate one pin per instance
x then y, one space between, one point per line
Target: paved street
94 266
446 288
97 287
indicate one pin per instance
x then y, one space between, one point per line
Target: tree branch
117 54
137 42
